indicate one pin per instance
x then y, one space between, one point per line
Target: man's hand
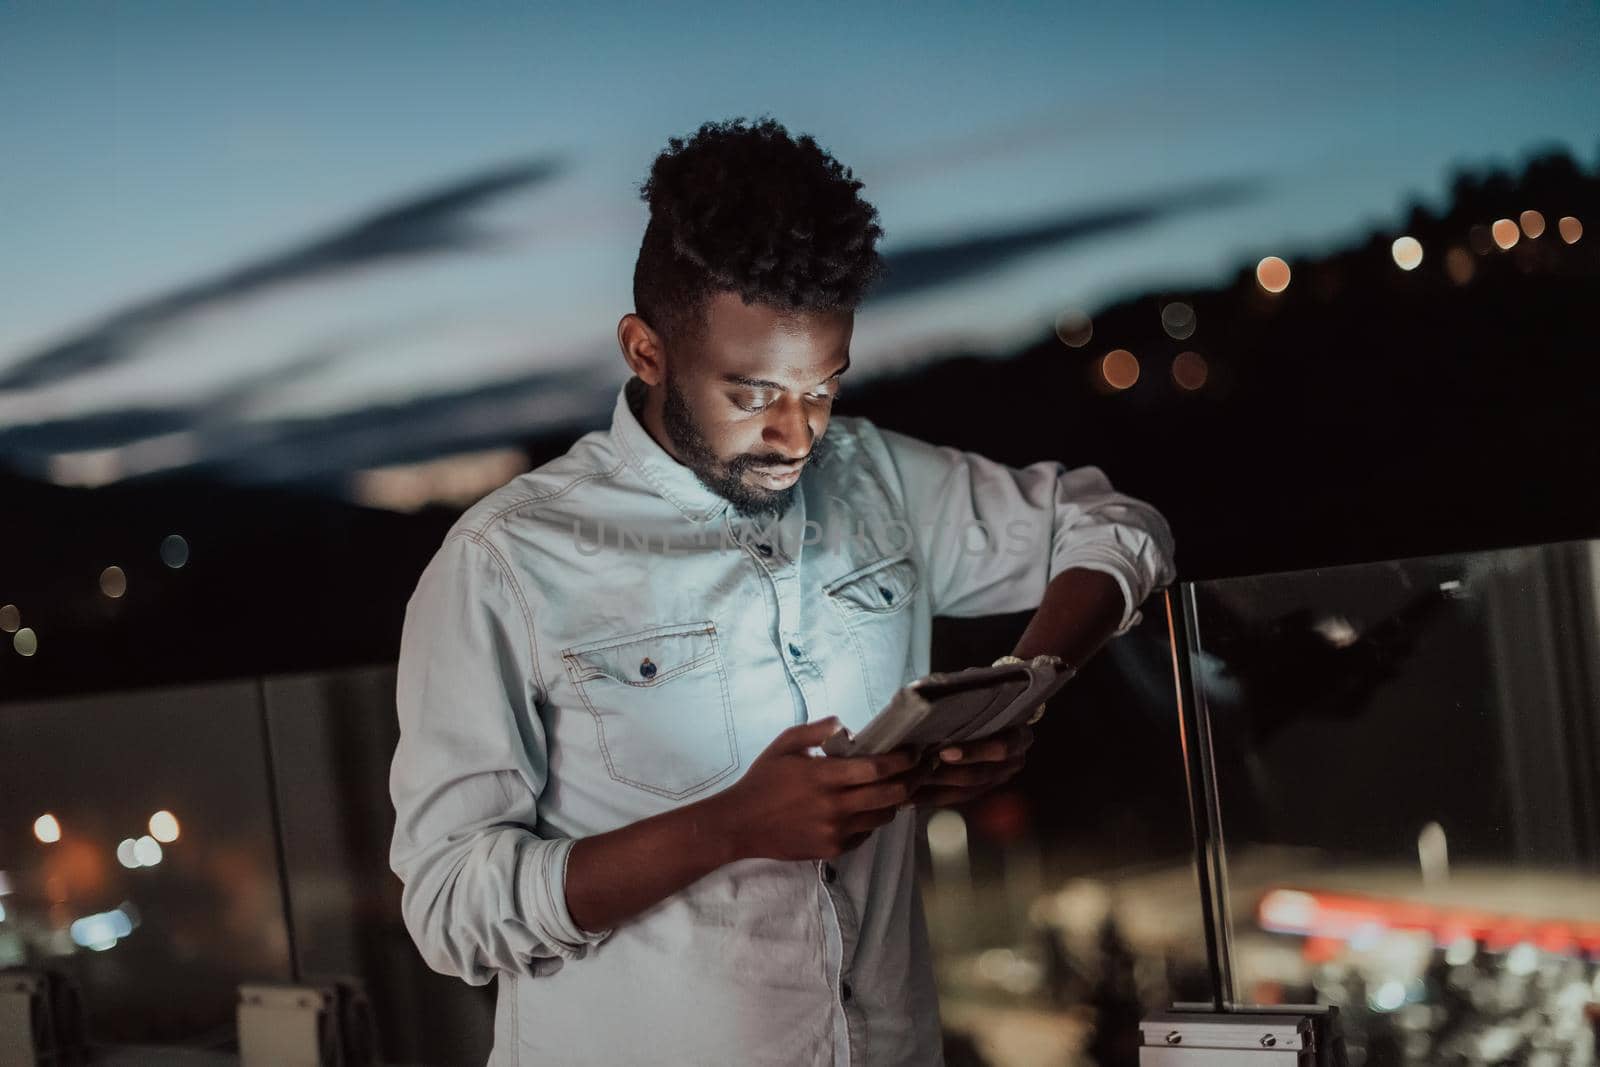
791 805
962 772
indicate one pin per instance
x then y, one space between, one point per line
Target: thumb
805 735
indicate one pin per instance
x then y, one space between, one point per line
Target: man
616 669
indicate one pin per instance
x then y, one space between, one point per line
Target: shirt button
828 873
844 990
796 651
764 549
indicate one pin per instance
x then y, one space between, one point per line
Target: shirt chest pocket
873 602
659 698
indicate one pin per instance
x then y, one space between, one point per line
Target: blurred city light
1389 996
1458 264
1522 960
947 834
47 829
1074 328
1532 223
174 551
147 851
10 618
1433 854
164 826
453 480
113 582
101 931
1505 233
1273 274
1288 910
1178 320
126 854
1189 370
1571 229
1119 368
1407 252
25 641
95 467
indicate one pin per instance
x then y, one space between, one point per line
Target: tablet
948 707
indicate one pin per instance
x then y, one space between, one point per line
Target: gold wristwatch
1037 661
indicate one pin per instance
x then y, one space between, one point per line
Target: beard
727 479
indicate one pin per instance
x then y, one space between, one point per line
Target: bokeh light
174 551
100 932
1189 370
947 834
10 618
125 853
47 829
1505 233
1532 223
1407 252
1273 274
113 583
1119 368
1178 319
147 851
164 826
1571 229
1459 266
1074 328
25 641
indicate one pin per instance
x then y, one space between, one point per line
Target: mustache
745 462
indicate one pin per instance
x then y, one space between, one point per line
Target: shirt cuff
1108 561
568 940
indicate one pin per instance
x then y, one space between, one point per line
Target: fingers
889 794
859 770
804 736
942 798
1008 744
981 773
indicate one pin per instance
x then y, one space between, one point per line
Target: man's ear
642 348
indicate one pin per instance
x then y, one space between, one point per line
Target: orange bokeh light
1189 370
1120 368
1273 274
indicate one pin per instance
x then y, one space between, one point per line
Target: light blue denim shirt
604 638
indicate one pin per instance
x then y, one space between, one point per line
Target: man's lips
778 475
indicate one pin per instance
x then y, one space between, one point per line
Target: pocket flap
643 658
882 586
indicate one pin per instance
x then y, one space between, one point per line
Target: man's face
746 409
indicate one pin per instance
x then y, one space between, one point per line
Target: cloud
436 222
130 444
926 266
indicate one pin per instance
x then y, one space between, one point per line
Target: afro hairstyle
746 208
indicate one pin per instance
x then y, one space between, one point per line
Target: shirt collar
674 481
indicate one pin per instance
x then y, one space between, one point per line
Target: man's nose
788 431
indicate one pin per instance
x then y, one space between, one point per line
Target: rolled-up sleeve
991 536
482 891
